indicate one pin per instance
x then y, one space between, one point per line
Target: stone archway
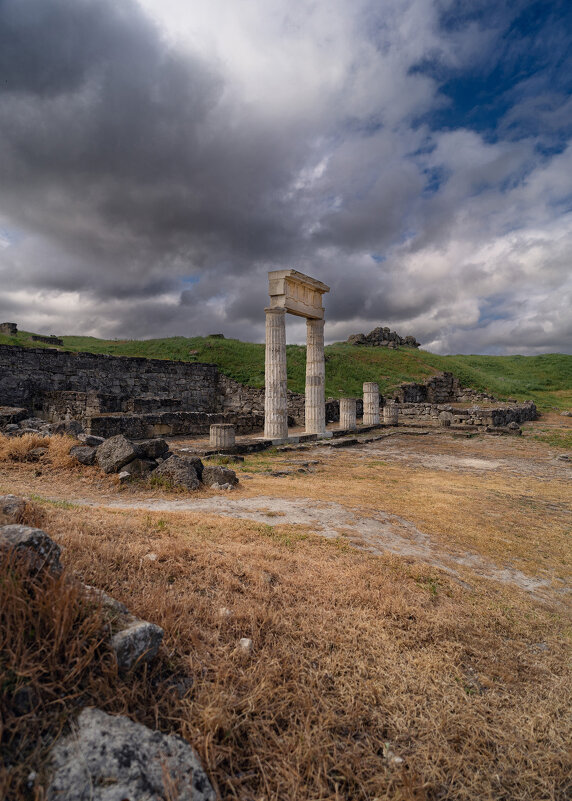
293 292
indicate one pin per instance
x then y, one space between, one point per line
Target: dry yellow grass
358 661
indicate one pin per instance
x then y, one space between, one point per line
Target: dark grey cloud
148 182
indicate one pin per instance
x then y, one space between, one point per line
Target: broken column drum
390 414
370 404
222 435
298 294
348 413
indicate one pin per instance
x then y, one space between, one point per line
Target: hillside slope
546 379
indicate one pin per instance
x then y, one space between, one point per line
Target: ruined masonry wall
53 382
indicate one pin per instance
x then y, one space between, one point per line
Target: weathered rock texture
111 758
10 329
181 471
12 509
32 545
382 337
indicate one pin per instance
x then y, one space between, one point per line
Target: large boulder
182 471
31 545
114 453
215 474
110 758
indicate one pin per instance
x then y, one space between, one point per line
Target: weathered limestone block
370 404
348 413
390 414
222 435
114 453
32 545
111 758
181 471
139 467
215 474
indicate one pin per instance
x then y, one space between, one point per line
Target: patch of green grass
558 439
57 504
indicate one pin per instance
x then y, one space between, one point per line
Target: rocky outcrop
109 757
383 337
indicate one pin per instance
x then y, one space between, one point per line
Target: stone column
315 378
222 435
370 404
390 414
348 413
276 399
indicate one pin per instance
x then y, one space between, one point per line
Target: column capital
275 310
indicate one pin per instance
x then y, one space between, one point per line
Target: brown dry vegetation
357 659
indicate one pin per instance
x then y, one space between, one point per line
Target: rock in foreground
110 758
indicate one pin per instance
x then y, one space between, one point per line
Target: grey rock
89 439
114 453
11 428
83 453
33 544
152 448
111 758
565 414
215 474
32 422
140 467
36 454
136 643
10 415
181 471
513 426
12 509
124 477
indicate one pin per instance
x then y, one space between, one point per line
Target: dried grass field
407 602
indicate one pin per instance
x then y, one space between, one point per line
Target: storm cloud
158 158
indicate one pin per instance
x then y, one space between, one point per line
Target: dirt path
377 533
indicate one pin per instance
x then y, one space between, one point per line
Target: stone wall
51 340
500 415
10 329
55 383
441 388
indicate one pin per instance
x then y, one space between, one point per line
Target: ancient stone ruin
383 337
10 329
293 292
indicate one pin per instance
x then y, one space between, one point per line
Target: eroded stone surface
83 453
215 474
32 544
137 642
181 471
111 758
114 453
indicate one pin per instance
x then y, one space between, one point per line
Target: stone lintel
297 293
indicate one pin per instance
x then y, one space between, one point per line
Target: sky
159 157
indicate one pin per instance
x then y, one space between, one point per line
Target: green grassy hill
546 379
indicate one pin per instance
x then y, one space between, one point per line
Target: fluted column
276 400
370 404
315 378
348 413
